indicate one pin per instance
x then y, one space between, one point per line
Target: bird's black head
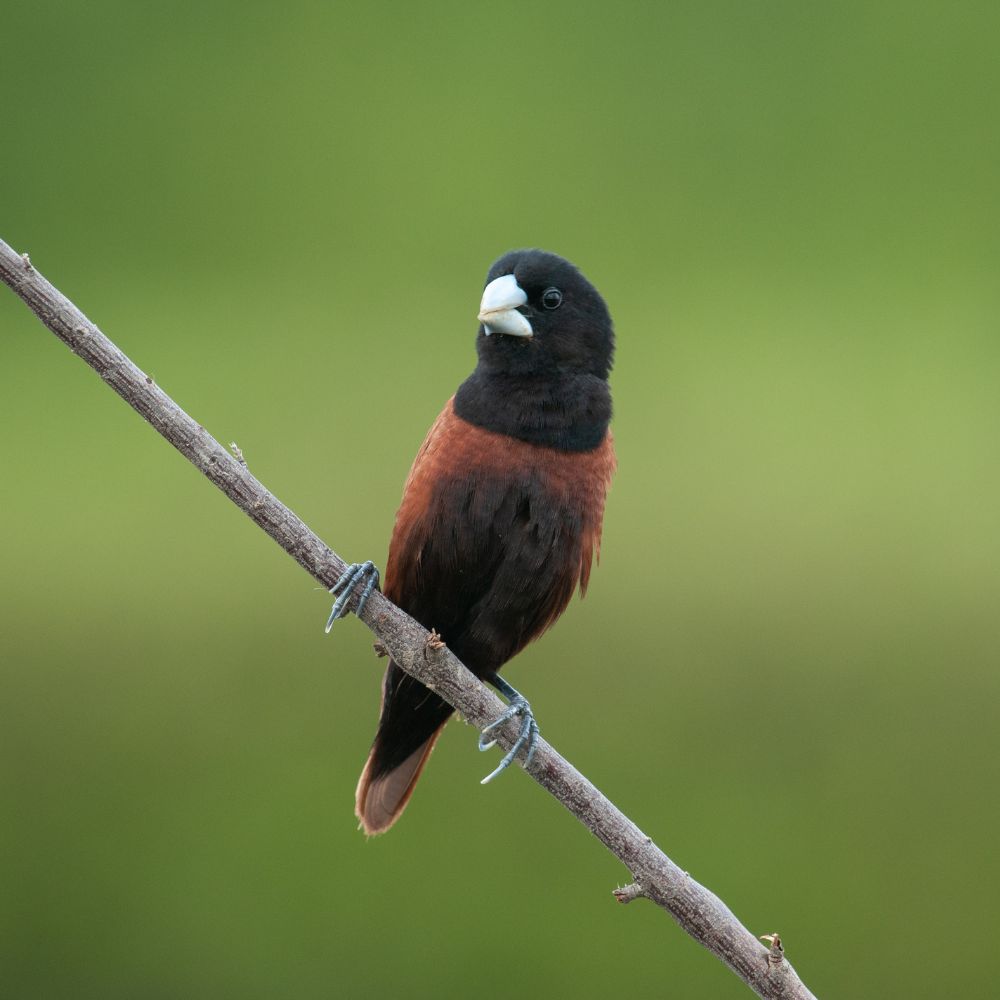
540 315
545 348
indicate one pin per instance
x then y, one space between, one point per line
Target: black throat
570 412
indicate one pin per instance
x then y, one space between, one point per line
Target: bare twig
626 893
701 913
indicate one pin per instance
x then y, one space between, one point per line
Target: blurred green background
785 670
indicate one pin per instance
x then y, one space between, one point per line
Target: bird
502 511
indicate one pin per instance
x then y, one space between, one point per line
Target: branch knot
626 893
776 951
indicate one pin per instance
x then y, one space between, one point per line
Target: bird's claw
529 730
357 575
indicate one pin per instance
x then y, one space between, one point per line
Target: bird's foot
518 706
358 577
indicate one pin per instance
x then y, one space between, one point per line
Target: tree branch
701 913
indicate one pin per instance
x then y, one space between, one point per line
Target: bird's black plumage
552 388
502 511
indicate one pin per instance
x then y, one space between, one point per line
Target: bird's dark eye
552 298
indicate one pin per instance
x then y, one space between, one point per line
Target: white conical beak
498 310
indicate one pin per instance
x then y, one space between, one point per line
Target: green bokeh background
785 670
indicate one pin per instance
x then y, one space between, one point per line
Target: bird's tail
411 720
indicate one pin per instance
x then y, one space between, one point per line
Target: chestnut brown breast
493 536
